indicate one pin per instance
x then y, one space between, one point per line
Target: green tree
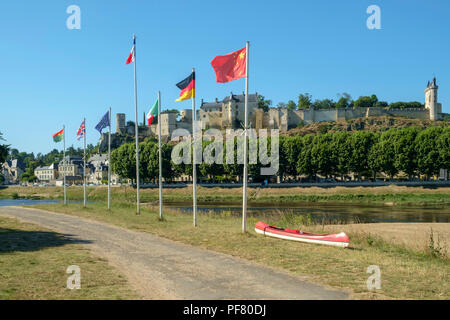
361 142
3 150
381 104
123 161
263 103
345 101
443 145
366 101
406 105
322 154
428 157
382 154
324 104
291 105
28 175
290 149
341 146
405 151
304 101
305 163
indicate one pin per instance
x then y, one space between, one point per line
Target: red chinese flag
231 66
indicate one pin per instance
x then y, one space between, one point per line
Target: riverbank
34 261
407 273
389 195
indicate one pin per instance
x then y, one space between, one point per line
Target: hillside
373 124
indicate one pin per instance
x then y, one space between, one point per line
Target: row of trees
345 101
411 150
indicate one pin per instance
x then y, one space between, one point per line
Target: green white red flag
152 113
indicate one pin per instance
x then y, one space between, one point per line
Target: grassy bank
376 195
406 273
33 263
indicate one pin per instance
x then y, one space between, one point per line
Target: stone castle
229 113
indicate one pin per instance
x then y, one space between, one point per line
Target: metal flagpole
194 167
136 128
84 165
109 161
64 164
244 186
160 157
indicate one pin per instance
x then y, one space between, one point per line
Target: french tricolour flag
132 53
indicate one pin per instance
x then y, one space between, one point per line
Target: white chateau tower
431 95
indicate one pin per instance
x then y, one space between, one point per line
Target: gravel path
163 269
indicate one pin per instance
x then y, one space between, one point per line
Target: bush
435 248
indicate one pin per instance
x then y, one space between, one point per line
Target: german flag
187 87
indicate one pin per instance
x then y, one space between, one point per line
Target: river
334 213
330 213
24 202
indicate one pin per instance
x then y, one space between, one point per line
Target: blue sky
50 76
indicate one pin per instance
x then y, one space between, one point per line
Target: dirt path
162 269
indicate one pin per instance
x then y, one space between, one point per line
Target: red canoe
337 240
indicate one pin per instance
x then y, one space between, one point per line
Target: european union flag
104 122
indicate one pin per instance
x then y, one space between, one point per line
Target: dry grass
406 274
33 263
414 236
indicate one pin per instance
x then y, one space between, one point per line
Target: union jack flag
81 131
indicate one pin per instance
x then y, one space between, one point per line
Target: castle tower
431 103
120 123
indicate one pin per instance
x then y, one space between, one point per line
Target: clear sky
50 76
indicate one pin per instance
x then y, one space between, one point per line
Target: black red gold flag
187 87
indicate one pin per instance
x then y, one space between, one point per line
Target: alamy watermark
231 150
74 20
374 281
374 20
74 280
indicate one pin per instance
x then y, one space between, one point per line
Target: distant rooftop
238 98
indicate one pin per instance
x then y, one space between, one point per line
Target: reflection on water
24 202
332 213
336 213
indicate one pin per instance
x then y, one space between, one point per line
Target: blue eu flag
104 122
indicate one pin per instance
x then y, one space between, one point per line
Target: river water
24 202
330 213
334 213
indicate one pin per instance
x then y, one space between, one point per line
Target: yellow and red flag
187 87
231 66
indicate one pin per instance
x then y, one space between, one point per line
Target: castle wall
325 115
355 113
210 119
240 107
423 114
230 112
186 115
168 123
274 119
294 118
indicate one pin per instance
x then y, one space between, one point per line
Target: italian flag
57 137
152 113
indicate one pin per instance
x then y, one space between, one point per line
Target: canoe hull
337 240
